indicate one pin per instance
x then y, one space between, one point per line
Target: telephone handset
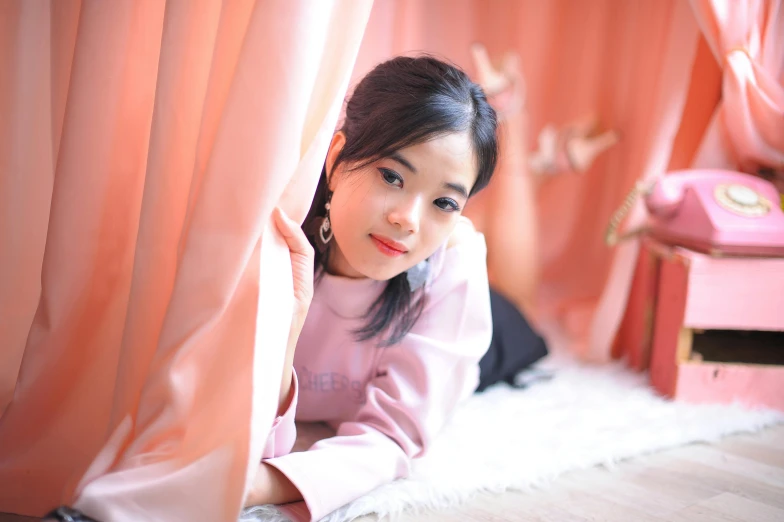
713 211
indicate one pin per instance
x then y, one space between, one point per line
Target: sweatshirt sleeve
417 385
283 434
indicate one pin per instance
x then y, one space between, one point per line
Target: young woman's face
390 215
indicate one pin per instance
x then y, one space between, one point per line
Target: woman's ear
338 141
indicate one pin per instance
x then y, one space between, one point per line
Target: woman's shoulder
463 256
463 232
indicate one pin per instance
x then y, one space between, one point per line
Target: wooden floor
740 478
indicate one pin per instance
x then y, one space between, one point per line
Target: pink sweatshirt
387 404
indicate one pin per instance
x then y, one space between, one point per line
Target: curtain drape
747 40
144 298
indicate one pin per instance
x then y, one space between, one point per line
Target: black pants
515 345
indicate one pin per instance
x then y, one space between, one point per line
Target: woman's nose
406 214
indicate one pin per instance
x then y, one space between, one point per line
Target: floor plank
743 508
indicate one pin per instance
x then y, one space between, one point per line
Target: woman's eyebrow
403 161
457 187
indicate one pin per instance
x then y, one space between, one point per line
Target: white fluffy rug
517 439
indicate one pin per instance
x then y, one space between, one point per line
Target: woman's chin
380 273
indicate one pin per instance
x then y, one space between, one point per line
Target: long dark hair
403 102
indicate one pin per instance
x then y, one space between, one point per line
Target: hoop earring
325 232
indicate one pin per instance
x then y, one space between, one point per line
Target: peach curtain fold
747 40
629 62
143 295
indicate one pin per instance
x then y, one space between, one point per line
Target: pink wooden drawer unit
709 329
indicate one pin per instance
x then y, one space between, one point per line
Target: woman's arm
269 485
412 392
285 397
302 259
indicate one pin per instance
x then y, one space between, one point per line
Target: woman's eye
391 177
450 205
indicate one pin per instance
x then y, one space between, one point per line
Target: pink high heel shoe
504 86
573 148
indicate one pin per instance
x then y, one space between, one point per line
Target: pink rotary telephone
713 211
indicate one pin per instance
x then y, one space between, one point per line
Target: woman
393 331
387 338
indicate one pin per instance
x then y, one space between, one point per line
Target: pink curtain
630 62
143 296
734 114
747 40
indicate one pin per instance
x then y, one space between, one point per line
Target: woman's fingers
292 233
302 260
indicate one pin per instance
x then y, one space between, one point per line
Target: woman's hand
270 486
302 258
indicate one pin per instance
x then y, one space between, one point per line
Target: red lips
389 246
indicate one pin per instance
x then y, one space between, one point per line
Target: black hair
402 102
